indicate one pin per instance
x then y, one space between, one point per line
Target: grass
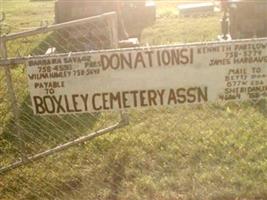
214 152
23 14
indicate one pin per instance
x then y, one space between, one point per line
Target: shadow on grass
262 107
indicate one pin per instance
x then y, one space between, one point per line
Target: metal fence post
13 100
114 33
114 40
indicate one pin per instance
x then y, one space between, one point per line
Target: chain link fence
26 138
213 151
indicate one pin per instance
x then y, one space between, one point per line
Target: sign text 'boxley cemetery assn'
147 77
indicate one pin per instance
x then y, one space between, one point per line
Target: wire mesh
39 134
81 37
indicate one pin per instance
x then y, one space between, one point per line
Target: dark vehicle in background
135 15
244 18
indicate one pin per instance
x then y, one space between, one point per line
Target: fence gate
61 132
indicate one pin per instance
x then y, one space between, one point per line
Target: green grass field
211 152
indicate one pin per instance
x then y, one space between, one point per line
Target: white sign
147 77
